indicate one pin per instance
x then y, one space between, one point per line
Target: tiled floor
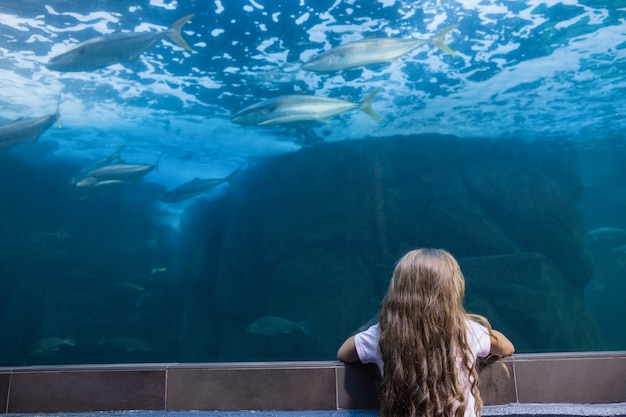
509 410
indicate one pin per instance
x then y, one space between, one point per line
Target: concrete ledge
573 378
556 410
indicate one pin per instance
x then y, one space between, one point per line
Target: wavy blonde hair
423 337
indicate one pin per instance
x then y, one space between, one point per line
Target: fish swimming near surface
373 51
273 325
25 130
195 187
114 158
115 48
117 174
298 108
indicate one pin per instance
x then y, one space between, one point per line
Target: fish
373 51
297 108
273 325
191 189
90 182
42 238
26 130
115 157
157 270
115 48
50 345
195 187
117 174
607 234
126 287
125 344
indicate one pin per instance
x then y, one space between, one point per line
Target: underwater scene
204 181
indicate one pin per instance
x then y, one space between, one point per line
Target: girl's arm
347 351
500 344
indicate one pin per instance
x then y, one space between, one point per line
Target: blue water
97 277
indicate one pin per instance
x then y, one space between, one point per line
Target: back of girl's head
428 281
422 324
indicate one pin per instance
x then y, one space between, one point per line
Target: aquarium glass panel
214 181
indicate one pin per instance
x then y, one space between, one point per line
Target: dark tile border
357 387
4 391
571 379
86 390
251 389
594 377
497 382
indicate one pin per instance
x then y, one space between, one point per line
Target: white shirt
366 344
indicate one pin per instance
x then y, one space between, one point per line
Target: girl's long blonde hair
423 337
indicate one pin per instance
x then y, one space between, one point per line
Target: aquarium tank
217 181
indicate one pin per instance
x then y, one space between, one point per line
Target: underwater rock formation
313 236
528 295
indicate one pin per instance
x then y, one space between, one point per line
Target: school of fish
122 47
113 171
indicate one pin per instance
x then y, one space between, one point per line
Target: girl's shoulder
478 338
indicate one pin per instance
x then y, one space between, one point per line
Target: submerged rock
314 235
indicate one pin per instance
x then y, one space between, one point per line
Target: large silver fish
24 130
114 48
191 189
195 187
115 157
297 108
118 174
372 51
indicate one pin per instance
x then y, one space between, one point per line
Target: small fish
42 238
125 344
117 174
156 270
24 130
273 325
111 49
50 345
126 287
372 51
296 108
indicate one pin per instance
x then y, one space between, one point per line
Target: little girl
425 344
